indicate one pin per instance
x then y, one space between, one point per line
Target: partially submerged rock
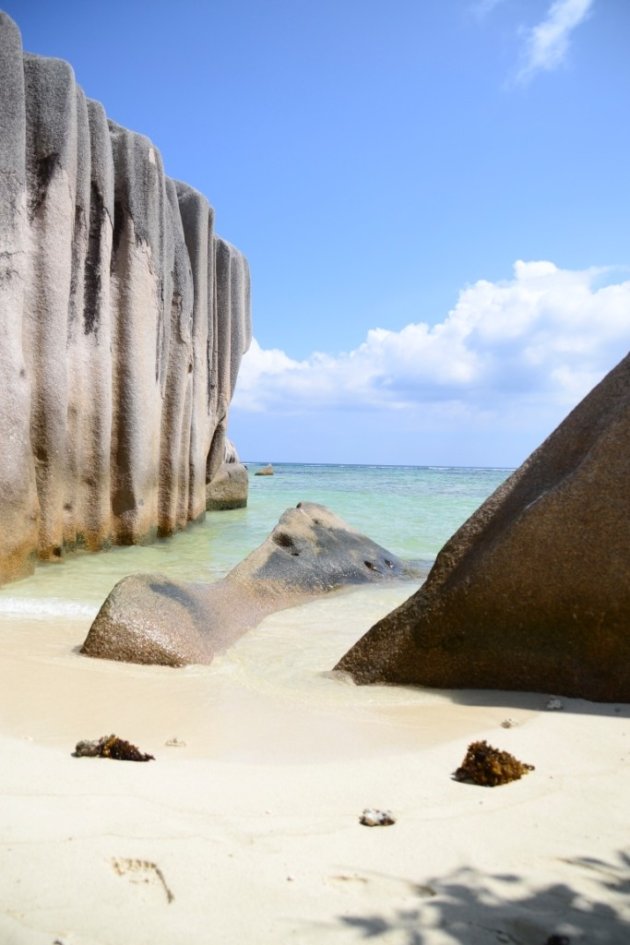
228 489
228 484
533 591
110 746
489 767
152 619
265 471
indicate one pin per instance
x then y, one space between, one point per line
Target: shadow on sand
467 908
531 701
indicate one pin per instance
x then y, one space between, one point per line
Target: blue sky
432 194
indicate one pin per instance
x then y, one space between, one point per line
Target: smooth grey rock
125 318
533 591
228 489
230 484
231 455
151 619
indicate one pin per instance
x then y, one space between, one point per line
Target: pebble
376 818
554 704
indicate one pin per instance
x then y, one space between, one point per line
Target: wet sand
249 832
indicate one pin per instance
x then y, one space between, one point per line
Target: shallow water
410 510
271 696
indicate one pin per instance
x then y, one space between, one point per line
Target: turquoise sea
410 510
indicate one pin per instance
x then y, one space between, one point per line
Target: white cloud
538 340
547 43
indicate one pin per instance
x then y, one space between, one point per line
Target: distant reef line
123 321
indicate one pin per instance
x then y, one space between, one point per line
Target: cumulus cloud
543 337
547 43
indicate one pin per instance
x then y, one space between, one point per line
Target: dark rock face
125 319
533 591
313 550
151 619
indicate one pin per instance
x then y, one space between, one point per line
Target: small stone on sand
376 818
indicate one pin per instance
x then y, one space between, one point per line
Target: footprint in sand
371 881
142 871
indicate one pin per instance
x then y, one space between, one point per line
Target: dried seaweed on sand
110 746
489 766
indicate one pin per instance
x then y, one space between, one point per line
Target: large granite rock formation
533 591
123 323
151 619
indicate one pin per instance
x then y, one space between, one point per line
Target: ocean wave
44 607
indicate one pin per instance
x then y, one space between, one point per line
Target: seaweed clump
489 767
110 746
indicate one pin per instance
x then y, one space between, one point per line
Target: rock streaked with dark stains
126 319
533 592
312 550
152 619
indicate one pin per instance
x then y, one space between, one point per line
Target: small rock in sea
376 818
265 471
489 766
110 746
175 743
554 704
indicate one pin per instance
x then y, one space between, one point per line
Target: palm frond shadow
469 909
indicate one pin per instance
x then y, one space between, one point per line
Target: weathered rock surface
228 489
151 619
533 591
229 486
124 320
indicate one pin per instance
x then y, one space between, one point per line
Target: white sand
250 832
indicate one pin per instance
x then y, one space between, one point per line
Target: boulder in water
152 619
533 591
228 489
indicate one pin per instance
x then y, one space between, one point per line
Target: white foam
45 607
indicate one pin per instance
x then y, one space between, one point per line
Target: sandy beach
249 831
434 201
